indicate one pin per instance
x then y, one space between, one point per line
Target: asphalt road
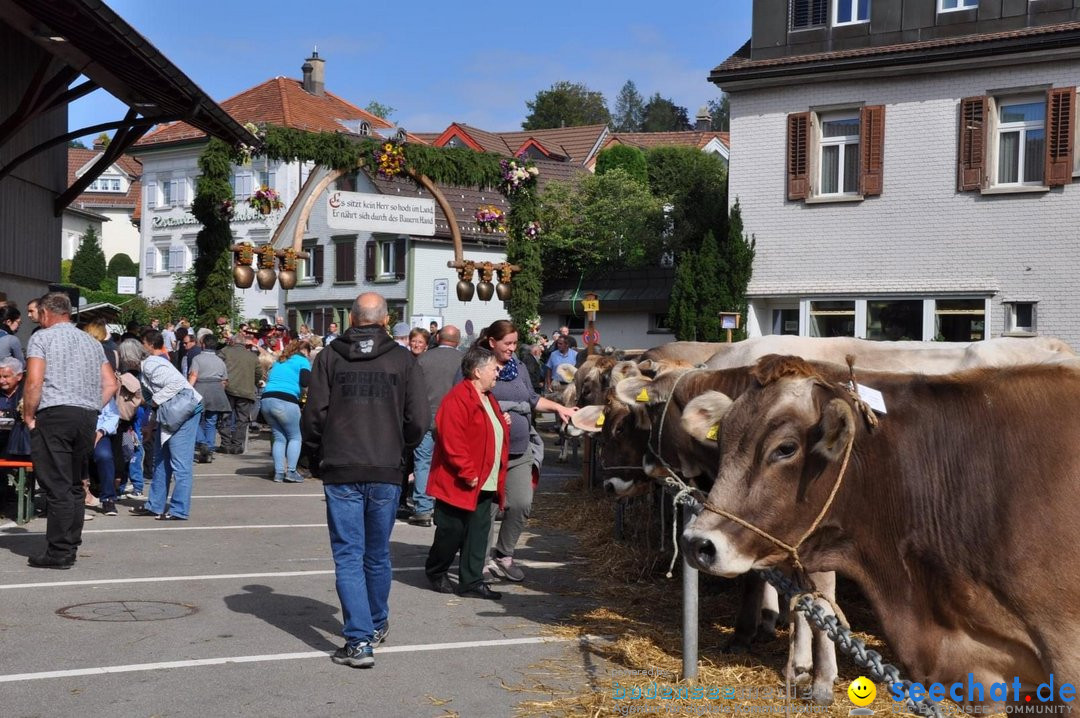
234 613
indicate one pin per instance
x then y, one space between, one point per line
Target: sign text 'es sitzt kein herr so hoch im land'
362 212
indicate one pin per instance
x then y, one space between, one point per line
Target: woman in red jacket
468 472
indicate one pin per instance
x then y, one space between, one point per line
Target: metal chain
803 601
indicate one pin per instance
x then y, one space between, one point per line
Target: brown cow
956 515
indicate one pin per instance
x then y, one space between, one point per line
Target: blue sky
476 61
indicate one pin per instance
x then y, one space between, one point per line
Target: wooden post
729 321
591 304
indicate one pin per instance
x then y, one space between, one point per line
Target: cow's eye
784 451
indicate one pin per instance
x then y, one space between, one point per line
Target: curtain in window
1008 157
830 169
1034 155
851 167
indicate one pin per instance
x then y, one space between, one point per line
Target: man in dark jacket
366 404
242 368
441 366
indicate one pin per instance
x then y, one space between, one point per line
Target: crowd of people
433 434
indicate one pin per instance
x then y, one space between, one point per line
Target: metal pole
690 612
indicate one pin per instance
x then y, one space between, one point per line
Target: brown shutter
798 153
399 258
316 258
345 259
871 149
369 260
1060 111
972 171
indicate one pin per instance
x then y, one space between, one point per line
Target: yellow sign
591 305
643 395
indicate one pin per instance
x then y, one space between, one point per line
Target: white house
907 167
114 196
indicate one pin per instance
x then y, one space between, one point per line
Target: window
894 320
808 13
849 12
241 184
960 320
659 323
105 184
839 155
1020 317
832 318
785 321
836 155
267 178
950 5
1021 144
311 269
167 193
345 261
575 323
386 259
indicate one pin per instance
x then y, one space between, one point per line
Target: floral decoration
532 329
532 230
389 160
518 176
266 200
245 254
226 210
266 256
491 219
288 260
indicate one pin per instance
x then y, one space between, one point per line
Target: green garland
459 167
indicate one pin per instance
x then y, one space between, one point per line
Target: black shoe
420 519
62 563
481 590
108 508
441 583
169 517
143 511
359 656
380 635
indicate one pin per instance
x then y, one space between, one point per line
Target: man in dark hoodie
366 404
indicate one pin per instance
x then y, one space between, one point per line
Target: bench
20 475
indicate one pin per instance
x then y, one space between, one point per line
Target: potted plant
491 219
265 200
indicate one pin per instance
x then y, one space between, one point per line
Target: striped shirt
73 362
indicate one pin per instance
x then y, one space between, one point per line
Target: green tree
683 309
737 267
88 264
566 104
598 223
121 265
65 271
694 184
380 110
77 144
628 158
184 295
710 289
629 109
103 139
663 115
721 114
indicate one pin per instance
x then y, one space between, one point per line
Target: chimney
703 121
101 142
314 69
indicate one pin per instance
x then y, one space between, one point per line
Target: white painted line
257 496
168 579
173 526
167 665
261 477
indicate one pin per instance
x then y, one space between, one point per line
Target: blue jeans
135 466
422 503
208 428
360 517
284 419
106 468
173 460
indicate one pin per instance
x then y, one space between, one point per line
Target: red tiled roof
645 140
281 101
740 61
573 143
79 158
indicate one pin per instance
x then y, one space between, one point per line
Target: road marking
173 526
258 496
168 665
168 579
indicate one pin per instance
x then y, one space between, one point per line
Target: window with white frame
804 14
894 319
1020 317
1021 141
785 320
839 158
166 193
387 259
831 318
850 12
241 184
959 320
950 5
267 178
107 183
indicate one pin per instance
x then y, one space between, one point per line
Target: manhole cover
127 611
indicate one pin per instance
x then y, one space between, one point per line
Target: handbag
173 413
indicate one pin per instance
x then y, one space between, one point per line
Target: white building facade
966 236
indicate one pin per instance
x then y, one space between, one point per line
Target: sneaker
294 478
504 567
108 508
420 519
278 478
137 496
358 656
380 635
142 511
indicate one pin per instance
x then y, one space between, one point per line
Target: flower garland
266 256
531 329
226 210
288 260
491 219
389 160
532 230
518 176
246 254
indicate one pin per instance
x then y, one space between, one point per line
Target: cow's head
781 443
619 453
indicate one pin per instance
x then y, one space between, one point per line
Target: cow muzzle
712 552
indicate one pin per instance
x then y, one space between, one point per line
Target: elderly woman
468 474
418 341
174 436
208 375
14 436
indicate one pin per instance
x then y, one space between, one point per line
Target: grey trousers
519 496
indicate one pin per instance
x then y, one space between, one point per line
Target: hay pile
641 612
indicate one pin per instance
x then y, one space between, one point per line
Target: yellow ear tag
643 395
600 420
714 432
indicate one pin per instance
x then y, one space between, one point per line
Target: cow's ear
634 390
624 370
702 415
589 418
837 429
566 372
